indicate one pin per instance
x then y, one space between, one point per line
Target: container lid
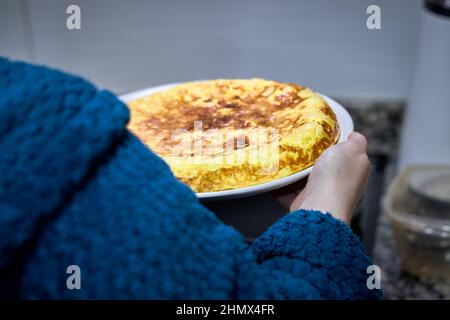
432 186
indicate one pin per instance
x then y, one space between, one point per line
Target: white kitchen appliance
426 129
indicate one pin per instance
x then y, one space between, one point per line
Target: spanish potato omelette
228 134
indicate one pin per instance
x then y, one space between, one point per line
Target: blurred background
127 45
395 81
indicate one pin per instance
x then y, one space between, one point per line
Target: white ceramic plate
343 118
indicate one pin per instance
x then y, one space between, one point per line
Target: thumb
359 141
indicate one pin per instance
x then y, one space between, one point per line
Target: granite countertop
381 122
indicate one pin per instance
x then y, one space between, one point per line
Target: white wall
127 45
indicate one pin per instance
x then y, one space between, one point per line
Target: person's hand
336 182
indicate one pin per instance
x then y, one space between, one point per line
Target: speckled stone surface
381 122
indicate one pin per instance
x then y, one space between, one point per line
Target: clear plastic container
417 208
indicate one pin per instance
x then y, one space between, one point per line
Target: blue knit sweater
76 188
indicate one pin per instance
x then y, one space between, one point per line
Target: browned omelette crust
166 120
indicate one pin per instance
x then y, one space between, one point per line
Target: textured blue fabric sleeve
312 247
76 188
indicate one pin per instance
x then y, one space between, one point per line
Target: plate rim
344 119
